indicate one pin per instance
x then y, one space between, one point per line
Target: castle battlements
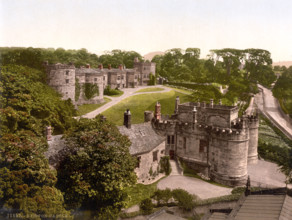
215 141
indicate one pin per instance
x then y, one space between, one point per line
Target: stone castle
210 138
85 85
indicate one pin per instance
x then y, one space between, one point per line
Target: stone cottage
147 146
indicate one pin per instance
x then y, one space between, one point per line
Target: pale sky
149 25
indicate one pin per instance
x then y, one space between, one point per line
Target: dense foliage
165 165
96 167
146 206
184 199
27 184
222 66
283 90
28 103
34 57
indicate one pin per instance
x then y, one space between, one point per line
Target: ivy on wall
90 90
77 89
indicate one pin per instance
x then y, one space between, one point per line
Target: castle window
144 68
215 168
162 151
122 77
119 77
67 72
172 139
168 139
203 144
67 80
136 76
155 157
138 162
185 142
103 77
95 79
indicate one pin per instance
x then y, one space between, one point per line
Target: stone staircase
175 169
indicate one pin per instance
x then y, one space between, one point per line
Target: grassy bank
140 103
86 108
151 89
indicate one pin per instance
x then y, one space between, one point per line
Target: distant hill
150 55
283 63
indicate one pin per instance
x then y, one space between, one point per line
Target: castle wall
146 162
253 141
62 79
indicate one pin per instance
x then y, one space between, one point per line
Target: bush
184 199
110 92
165 165
162 196
146 206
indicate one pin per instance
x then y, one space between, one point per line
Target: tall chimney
176 105
157 114
88 66
127 118
120 66
100 66
109 66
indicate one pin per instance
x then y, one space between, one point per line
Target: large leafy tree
28 103
27 184
96 167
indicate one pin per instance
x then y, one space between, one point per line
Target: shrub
162 196
110 92
146 206
165 165
184 199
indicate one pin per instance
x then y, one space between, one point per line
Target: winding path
269 105
127 93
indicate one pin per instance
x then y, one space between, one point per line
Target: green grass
140 103
180 90
154 89
84 109
117 95
139 192
268 135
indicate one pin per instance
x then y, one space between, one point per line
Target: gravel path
194 186
270 106
127 93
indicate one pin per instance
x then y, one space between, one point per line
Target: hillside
283 63
150 55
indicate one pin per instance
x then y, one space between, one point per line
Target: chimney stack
100 66
127 119
109 66
88 66
120 66
157 114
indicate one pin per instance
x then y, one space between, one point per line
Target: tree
183 198
146 206
27 184
96 166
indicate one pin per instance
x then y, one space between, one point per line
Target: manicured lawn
154 89
84 109
140 103
180 90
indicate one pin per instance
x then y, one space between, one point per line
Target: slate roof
262 207
87 70
218 216
143 137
